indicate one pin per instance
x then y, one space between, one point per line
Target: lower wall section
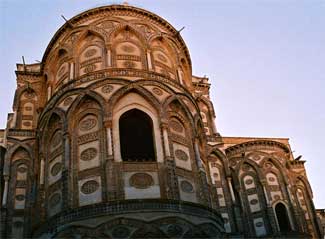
148 218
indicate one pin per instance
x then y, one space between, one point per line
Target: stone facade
73 162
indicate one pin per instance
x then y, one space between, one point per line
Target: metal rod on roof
24 63
67 21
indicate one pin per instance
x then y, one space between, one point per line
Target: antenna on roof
67 21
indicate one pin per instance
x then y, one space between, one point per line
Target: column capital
108 123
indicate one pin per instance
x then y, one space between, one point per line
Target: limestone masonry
111 136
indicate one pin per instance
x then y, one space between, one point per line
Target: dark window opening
283 219
136 136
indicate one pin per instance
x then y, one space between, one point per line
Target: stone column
42 171
66 192
231 190
5 191
149 60
180 76
269 209
164 127
71 76
109 56
108 125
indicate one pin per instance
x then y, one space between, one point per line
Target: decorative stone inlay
28 108
88 154
181 155
22 170
107 89
29 95
90 53
107 24
27 123
259 224
87 124
62 70
176 126
20 197
157 91
54 200
141 180
187 186
129 64
55 170
246 167
253 201
215 175
67 101
164 72
219 195
271 179
248 181
18 224
120 232
128 48
174 230
161 57
89 187
90 68
56 140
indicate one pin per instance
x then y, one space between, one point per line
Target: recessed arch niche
129 102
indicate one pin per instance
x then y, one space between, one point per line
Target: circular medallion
18 224
141 180
215 175
161 57
174 230
256 157
56 169
67 101
248 181
89 187
246 167
181 155
20 197
220 196
176 126
88 154
225 220
107 89
186 186
120 232
271 179
55 199
88 123
90 53
157 91
129 64
253 201
27 123
22 170
268 165
90 68
259 224
28 108
128 48
277 197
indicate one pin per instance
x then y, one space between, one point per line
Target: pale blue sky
265 60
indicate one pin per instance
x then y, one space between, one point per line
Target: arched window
136 136
282 216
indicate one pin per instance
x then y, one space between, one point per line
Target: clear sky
265 60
